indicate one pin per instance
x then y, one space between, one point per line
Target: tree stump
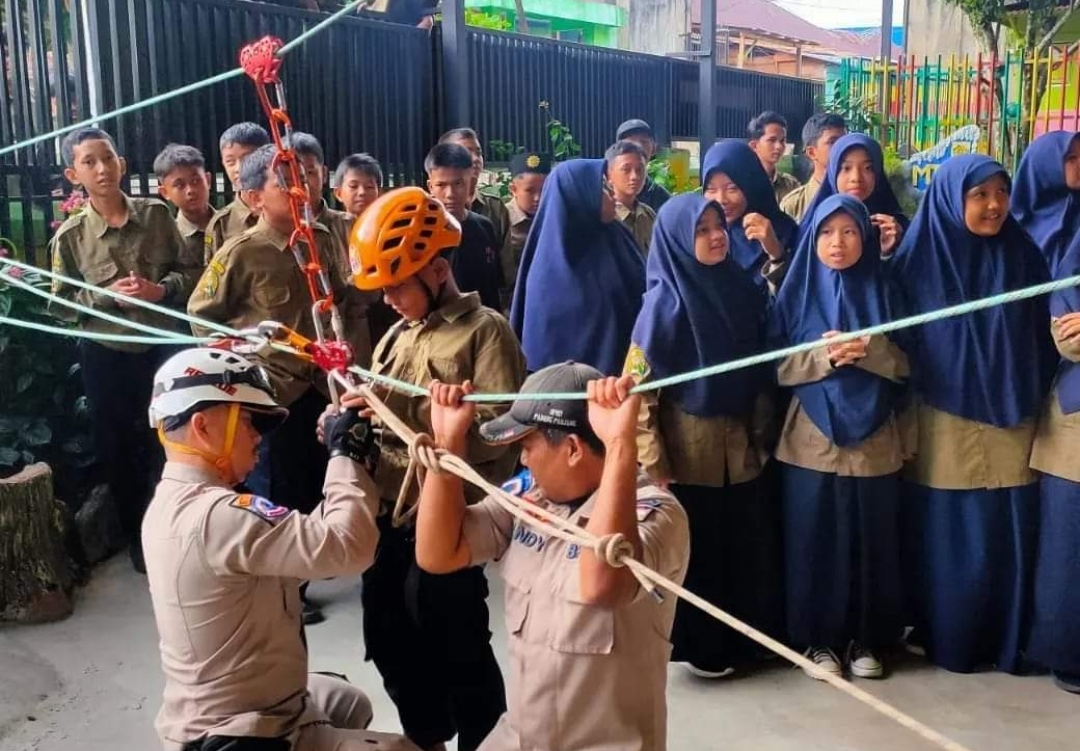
35 581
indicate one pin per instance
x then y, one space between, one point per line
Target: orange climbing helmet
399 234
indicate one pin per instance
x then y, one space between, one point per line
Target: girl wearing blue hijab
840 446
761 236
702 309
972 501
581 278
1048 191
857 168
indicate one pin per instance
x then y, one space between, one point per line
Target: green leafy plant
660 173
493 21
43 411
563 144
861 112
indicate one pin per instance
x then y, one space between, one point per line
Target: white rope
616 551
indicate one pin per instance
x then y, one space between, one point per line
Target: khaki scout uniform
492 207
520 224
798 201
194 236
255 278
1054 452
640 219
224 571
461 340
783 183
690 449
88 249
802 444
225 224
581 676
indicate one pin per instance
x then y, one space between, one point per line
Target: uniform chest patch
261 507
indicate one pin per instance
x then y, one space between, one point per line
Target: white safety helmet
197 378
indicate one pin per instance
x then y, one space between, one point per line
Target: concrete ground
92 683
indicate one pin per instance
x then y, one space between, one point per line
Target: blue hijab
580 283
739 162
850 404
990 366
1043 203
1050 212
881 201
695 315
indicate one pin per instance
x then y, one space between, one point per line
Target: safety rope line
98 336
88 311
187 89
616 551
727 367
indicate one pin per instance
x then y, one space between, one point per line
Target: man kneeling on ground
225 568
588 646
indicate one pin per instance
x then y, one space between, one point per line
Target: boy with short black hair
130 246
312 160
254 278
818 135
768 139
235 144
626 175
527 175
184 182
357 182
483 204
640 132
475 263
429 635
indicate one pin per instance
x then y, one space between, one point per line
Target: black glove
349 434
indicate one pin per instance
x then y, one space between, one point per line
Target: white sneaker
863 664
825 659
709 674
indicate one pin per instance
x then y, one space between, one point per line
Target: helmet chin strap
222 461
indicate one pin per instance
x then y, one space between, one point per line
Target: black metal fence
361 85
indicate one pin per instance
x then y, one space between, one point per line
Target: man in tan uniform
224 567
589 648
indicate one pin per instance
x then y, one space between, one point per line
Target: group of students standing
914 484
919 482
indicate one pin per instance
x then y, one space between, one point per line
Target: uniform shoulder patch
261 507
636 364
211 278
646 507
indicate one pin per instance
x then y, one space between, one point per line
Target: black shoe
310 614
1067 681
137 561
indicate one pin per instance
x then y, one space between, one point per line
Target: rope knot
613 548
425 452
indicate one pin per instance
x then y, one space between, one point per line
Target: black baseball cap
528 415
630 127
530 164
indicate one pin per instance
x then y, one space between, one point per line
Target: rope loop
613 549
424 451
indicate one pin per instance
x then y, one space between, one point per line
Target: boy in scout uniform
653 194
768 139
589 647
528 173
254 278
357 182
184 182
223 567
130 246
483 204
819 133
428 635
626 175
309 153
236 143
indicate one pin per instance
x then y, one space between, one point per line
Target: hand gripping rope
261 62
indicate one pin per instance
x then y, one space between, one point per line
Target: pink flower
14 273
